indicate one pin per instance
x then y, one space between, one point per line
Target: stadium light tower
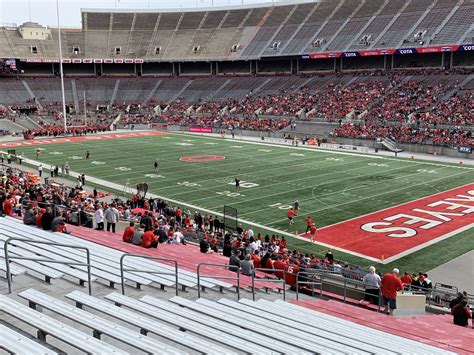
61 68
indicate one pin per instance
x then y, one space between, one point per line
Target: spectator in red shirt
8 207
256 259
279 265
290 275
389 287
128 233
406 279
149 240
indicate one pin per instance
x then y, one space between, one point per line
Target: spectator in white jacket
99 218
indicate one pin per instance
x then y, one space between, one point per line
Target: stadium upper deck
254 32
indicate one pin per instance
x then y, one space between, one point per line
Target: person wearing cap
389 287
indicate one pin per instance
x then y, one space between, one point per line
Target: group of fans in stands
154 221
374 106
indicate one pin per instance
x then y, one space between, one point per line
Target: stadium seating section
255 32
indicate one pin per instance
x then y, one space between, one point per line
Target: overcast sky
44 11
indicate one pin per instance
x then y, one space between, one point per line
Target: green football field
329 186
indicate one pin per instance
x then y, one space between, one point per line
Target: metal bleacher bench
384 341
235 337
292 338
147 324
16 343
49 326
98 324
325 336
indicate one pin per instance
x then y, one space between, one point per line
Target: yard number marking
230 194
246 184
188 184
281 206
379 165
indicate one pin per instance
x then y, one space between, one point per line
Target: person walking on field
309 223
296 207
290 214
88 154
389 287
156 166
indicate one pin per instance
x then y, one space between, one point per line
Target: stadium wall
414 148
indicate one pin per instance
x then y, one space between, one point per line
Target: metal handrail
344 286
312 283
29 241
226 266
282 280
122 270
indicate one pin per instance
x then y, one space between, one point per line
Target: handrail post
345 290
198 280
122 279
284 287
89 279
297 285
253 285
7 265
176 275
238 284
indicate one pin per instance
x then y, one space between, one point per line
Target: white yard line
365 186
317 149
119 187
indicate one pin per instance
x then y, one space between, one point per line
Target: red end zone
79 139
387 235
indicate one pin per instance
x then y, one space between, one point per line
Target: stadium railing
9 257
277 280
122 269
221 277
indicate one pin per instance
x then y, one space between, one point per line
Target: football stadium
237 177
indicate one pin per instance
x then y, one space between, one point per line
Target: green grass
330 187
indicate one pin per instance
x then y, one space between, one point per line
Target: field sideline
330 186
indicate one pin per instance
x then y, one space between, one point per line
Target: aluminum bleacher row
106 249
287 28
180 325
104 260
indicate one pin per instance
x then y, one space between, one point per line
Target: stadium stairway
432 329
188 256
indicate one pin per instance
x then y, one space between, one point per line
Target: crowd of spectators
405 134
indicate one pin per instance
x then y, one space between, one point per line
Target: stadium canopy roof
200 9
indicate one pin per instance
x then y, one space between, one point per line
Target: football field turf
332 187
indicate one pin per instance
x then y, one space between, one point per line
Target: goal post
231 220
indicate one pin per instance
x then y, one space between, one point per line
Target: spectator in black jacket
47 219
